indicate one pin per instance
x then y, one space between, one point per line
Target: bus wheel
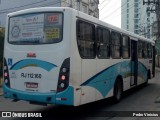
118 90
149 74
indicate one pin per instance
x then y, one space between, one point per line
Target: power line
105 5
42 5
23 5
102 2
113 11
110 7
131 6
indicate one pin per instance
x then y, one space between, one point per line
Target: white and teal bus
56 55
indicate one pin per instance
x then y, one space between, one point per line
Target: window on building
136 5
148 19
103 46
136 26
86 39
125 47
136 31
136 21
136 15
116 45
84 8
136 10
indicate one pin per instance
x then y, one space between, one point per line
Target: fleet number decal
31 75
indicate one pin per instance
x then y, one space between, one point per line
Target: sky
110 12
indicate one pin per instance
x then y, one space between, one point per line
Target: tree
1 47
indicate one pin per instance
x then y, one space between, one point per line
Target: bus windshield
37 28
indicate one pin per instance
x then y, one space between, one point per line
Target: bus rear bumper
65 97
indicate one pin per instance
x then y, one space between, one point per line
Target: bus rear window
37 28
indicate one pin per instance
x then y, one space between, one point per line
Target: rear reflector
61 99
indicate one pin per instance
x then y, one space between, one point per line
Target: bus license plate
31 85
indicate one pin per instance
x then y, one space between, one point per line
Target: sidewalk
158 69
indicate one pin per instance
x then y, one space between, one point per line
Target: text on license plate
31 85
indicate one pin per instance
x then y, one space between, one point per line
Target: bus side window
86 39
149 50
116 45
139 49
103 46
144 50
125 47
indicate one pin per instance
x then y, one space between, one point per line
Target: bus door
134 63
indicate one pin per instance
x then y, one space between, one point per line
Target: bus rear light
5 74
64 70
6 81
63 77
62 85
63 81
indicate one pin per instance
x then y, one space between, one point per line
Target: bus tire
148 77
149 74
118 90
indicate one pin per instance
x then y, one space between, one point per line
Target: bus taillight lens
63 81
63 77
5 74
64 70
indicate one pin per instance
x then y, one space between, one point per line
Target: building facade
87 6
136 18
